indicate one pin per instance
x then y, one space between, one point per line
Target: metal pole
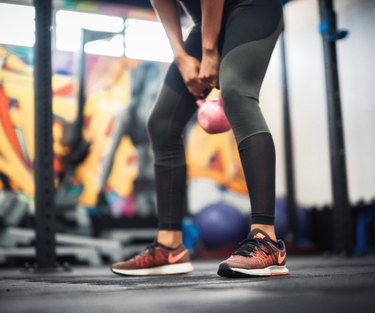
44 176
86 36
342 232
288 145
81 91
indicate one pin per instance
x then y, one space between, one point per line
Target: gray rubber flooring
315 284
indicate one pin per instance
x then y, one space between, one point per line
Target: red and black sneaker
257 255
156 259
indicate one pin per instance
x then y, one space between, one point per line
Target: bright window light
114 47
146 40
17 25
70 23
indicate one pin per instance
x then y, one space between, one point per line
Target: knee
238 100
155 128
241 106
237 87
229 92
162 131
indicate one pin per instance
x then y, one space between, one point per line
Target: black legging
248 35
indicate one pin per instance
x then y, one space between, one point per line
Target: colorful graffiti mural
115 113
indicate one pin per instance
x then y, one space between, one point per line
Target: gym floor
315 284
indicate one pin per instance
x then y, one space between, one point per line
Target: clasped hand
200 76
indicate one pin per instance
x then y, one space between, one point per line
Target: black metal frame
342 232
45 243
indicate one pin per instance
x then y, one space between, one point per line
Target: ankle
268 229
170 238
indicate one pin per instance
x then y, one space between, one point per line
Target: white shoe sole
274 270
181 268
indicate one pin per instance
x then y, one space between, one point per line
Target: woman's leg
245 58
169 116
172 110
251 32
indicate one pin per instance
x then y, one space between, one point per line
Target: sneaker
156 259
257 255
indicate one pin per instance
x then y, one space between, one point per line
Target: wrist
179 57
210 50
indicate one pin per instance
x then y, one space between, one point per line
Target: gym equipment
220 224
281 218
364 221
341 208
211 116
13 208
41 243
190 233
45 244
282 221
17 242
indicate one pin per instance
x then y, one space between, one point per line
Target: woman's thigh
249 37
174 105
249 21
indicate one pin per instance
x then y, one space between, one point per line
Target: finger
208 77
196 93
208 86
198 90
205 77
209 82
215 83
195 90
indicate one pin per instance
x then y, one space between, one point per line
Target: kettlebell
211 116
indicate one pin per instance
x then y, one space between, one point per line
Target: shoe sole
181 268
275 270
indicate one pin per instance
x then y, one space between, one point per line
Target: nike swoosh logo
174 258
281 258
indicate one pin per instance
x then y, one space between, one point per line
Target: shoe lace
150 249
249 245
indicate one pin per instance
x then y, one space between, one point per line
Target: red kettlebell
211 116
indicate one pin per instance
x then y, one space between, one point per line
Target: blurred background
108 61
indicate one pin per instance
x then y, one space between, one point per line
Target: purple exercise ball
220 224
